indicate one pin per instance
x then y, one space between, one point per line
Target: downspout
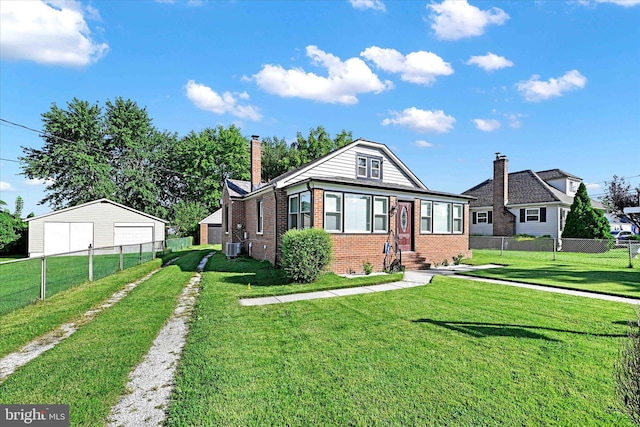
275 229
312 213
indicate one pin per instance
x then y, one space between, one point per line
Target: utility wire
91 147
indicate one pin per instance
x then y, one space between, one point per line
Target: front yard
451 353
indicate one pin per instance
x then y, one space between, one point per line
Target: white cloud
422 121
417 67
514 120
207 99
487 125
424 144
593 187
368 4
48 32
535 90
345 79
490 62
37 181
5 186
457 19
624 3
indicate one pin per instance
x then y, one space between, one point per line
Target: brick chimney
504 222
256 162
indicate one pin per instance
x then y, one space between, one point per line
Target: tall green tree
583 221
187 214
276 158
73 159
317 144
206 159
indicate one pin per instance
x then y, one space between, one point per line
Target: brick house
374 207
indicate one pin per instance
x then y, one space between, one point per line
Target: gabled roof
552 174
525 187
239 188
93 203
214 218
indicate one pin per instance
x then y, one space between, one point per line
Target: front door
404 226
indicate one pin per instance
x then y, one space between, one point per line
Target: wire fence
179 243
599 252
24 281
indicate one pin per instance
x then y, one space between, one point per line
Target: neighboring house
100 223
525 202
210 229
363 195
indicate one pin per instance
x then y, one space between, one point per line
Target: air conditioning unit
233 249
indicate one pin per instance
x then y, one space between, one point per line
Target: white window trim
454 218
423 216
301 212
482 217
385 215
260 223
289 213
340 212
537 215
366 167
345 214
450 217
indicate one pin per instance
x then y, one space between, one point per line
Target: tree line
114 151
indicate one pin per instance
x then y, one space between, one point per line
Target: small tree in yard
305 253
627 373
584 222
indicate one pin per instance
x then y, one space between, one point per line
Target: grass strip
537 268
90 369
25 324
452 353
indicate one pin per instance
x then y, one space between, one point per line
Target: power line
10 160
91 147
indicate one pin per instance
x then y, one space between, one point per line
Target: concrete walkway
422 277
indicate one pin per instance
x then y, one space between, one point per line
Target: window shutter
490 217
521 215
543 214
475 217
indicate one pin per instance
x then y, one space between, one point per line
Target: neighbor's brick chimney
503 220
256 162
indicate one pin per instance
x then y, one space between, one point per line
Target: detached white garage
101 223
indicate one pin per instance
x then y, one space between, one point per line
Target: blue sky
444 84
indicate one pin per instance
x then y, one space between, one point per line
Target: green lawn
89 370
20 285
582 271
451 353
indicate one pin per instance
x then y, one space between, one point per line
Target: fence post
554 248
140 255
501 245
43 279
630 257
90 263
121 259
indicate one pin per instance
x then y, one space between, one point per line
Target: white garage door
62 237
132 234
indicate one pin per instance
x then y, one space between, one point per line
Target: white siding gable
343 164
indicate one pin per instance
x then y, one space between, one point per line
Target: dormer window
369 167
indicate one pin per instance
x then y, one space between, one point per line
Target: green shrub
367 267
305 253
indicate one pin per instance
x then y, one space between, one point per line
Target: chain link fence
603 252
179 243
26 280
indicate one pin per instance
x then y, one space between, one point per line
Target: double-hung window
533 215
368 167
260 217
380 214
457 218
425 217
333 212
300 210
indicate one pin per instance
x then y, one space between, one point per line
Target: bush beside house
305 253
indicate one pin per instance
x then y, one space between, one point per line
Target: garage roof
214 218
93 203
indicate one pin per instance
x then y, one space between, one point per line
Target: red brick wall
263 245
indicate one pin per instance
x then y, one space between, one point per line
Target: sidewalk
423 277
